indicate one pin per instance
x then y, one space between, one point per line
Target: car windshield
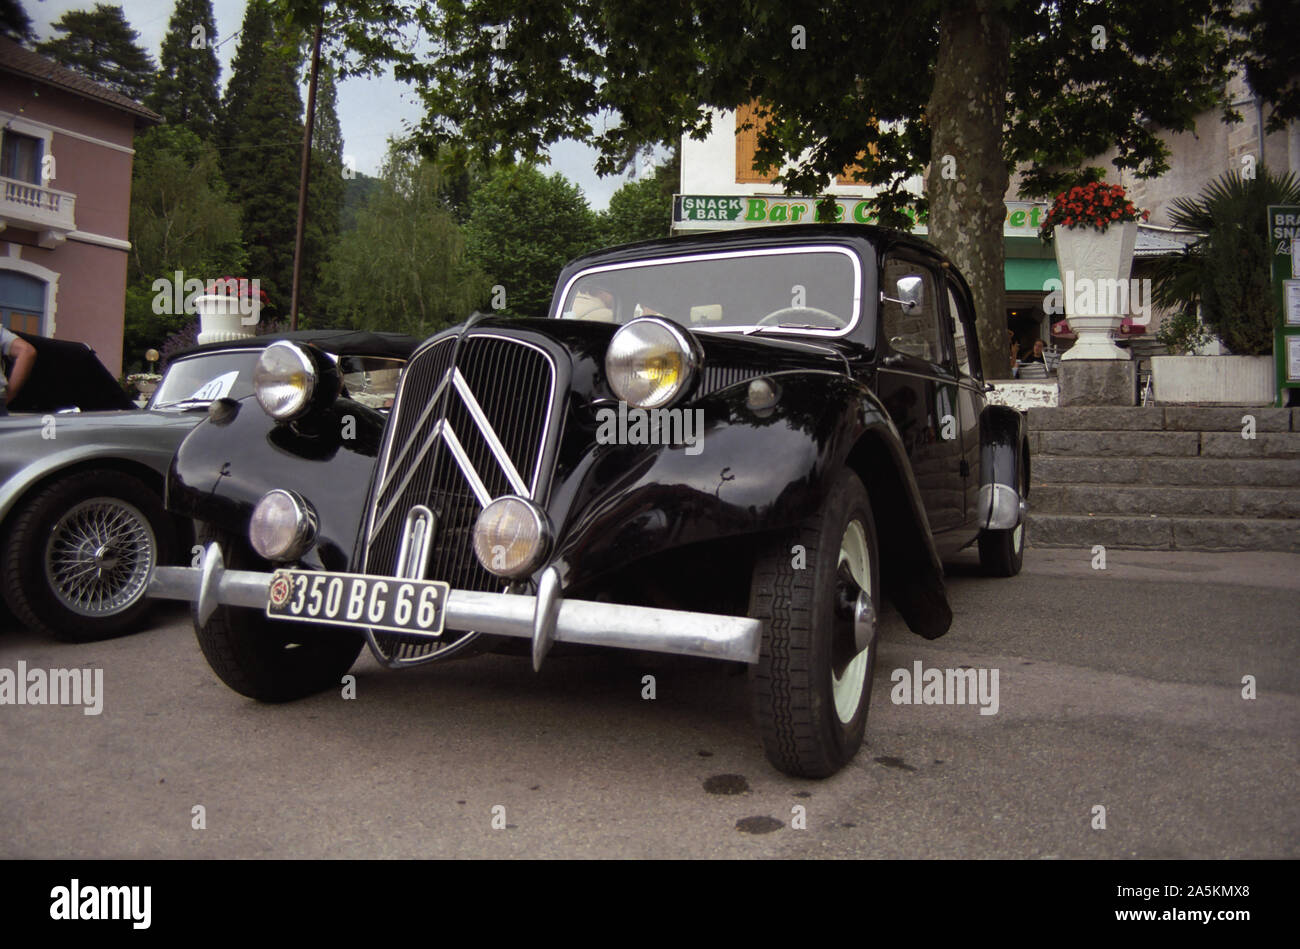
207 377
199 380
798 290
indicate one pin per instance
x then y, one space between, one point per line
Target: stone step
1159 532
1129 444
1134 500
1171 418
1154 471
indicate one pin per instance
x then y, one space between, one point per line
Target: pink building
65 199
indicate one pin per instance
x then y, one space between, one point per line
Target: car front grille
471 422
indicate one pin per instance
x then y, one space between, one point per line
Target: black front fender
751 474
223 468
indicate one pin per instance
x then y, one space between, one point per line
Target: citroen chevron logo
444 431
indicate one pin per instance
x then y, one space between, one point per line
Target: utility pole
305 175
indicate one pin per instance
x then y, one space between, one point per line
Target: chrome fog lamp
511 537
650 361
285 380
283 526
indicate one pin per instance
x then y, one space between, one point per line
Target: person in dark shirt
17 356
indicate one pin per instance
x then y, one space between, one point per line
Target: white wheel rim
1018 535
847 690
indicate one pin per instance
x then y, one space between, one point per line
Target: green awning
1022 274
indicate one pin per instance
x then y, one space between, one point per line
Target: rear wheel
79 553
265 659
1003 552
812 685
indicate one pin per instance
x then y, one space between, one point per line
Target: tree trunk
968 175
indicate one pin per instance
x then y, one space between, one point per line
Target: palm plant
1227 270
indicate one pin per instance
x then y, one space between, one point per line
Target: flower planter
1101 258
1213 380
223 317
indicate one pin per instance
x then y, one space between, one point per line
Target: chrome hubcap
99 557
847 687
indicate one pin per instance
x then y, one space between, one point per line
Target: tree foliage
641 210
101 45
1227 272
15 24
1272 57
182 219
403 265
262 163
186 91
324 193
246 67
523 227
887 88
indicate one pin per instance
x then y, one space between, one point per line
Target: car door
918 386
960 327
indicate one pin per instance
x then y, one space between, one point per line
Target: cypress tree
261 166
245 69
101 45
187 88
324 194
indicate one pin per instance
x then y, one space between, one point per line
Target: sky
370 110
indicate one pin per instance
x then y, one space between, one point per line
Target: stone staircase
1164 478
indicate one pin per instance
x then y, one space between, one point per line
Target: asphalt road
1120 688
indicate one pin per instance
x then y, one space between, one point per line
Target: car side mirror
910 293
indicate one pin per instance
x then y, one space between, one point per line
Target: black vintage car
733 446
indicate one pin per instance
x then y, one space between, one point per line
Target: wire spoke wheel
99 557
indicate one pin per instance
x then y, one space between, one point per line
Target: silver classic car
82 469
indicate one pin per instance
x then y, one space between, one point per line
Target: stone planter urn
223 317
1092 262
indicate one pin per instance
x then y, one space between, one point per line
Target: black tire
265 659
1003 552
807 637
79 552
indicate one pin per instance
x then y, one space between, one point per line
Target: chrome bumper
544 618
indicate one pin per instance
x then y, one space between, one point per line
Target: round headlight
284 380
511 537
649 362
283 526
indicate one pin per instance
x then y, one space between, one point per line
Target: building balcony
51 214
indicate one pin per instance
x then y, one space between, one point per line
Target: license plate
356 599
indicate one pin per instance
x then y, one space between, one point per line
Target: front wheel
79 553
815 589
265 659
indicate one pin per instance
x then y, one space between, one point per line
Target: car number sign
217 388
355 599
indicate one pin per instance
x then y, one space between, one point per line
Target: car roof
778 235
341 342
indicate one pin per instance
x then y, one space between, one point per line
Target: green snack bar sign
714 211
1284 241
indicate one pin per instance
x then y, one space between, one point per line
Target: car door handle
893 359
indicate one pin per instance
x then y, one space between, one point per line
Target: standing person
22 355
